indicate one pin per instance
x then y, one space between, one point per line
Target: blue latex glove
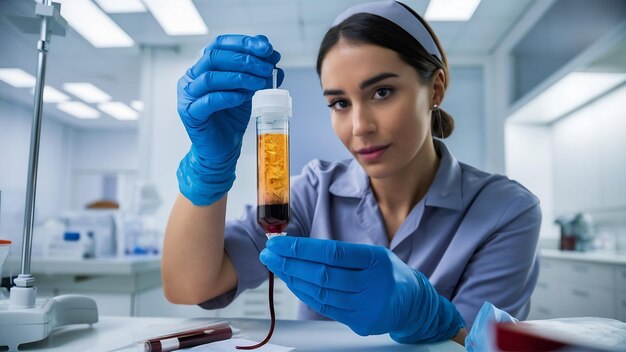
368 288
214 104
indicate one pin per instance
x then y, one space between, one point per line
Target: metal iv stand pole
25 318
25 279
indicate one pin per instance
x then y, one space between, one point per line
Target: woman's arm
195 267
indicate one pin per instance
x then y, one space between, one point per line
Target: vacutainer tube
272 109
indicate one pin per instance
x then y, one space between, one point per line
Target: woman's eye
382 93
338 105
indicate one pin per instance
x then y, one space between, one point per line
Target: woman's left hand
368 288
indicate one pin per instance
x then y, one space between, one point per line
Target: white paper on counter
600 333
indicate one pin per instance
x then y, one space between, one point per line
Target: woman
402 239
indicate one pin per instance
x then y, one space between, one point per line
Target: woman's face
379 108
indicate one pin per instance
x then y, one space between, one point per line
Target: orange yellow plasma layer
273 168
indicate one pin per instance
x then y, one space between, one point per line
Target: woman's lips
372 153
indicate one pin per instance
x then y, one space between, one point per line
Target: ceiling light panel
571 92
451 10
121 6
137 105
51 95
119 110
177 17
87 92
94 25
17 77
79 110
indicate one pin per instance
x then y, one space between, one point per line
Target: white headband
398 14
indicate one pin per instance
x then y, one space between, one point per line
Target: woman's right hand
214 104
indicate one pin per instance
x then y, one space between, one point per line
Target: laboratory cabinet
116 284
132 287
252 303
579 285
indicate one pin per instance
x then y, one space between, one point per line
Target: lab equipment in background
5 245
114 233
77 235
23 318
137 232
145 199
584 231
99 224
577 232
73 245
567 241
272 110
129 230
138 235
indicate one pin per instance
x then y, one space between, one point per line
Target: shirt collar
353 182
444 192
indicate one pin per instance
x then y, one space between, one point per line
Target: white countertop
114 333
595 257
99 266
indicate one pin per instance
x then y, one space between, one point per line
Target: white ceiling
295 27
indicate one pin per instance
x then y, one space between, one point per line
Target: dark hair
377 30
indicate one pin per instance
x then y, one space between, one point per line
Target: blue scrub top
474 234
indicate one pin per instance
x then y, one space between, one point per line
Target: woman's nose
363 122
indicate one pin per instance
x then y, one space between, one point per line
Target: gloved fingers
273 58
225 60
206 105
322 275
256 45
213 81
327 296
335 253
329 311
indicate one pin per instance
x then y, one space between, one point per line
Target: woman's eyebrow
375 79
364 84
368 82
333 92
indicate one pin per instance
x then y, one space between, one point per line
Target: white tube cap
273 101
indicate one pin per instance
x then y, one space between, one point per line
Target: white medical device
23 317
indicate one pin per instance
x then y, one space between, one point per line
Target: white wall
464 100
53 175
529 158
590 157
98 153
576 164
162 138
101 150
